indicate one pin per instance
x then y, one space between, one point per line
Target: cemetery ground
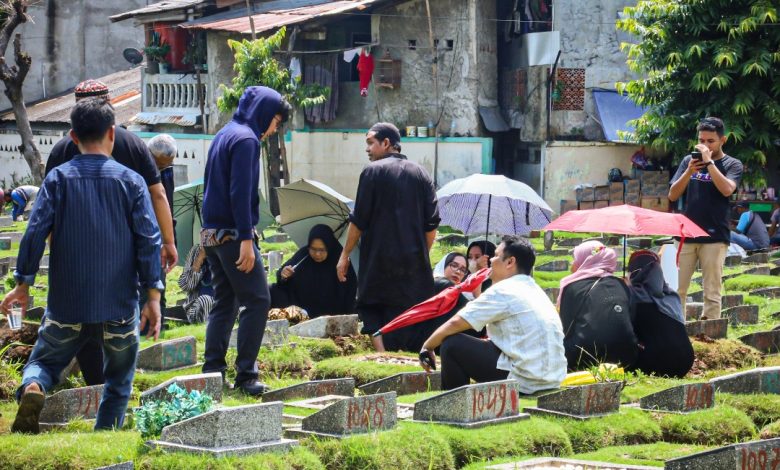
630 436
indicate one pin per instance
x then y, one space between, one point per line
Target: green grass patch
770 431
68 450
645 454
296 411
363 371
319 349
645 385
412 447
297 459
279 361
630 426
762 409
527 437
146 380
725 354
717 426
749 282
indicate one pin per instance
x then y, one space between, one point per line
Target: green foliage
721 425
706 58
762 409
645 454
297 459
627 427
284 359
363 371
406 447
152 417
157 49
319 349
770 431
255 64
748 282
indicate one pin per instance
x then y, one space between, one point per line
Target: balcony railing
172 92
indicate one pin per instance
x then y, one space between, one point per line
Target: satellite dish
132 55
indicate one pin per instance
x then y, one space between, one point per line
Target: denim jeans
58 343
744 241
232 288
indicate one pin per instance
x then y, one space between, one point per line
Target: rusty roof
124 88
159 7
278 18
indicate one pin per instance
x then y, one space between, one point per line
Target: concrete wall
71 40
567 164
220 60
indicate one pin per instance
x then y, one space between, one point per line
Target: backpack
615 175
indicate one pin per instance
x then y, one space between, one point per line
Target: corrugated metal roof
124 88
166 118
278 18
159 7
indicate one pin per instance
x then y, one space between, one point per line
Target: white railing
172 92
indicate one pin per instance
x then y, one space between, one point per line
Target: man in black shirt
707 182
130 151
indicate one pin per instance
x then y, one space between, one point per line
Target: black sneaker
28 413
252 387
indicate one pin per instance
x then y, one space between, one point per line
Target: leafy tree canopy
701 58
255 65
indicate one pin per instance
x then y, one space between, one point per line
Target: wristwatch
708 164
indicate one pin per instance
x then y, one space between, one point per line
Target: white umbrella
481 203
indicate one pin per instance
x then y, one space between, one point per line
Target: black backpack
615 175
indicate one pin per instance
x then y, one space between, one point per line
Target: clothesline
345 49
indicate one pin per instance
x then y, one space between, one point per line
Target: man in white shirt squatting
524 329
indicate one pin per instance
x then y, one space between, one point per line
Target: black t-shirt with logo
705 205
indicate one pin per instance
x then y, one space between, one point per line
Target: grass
750 282
762 409
630 426
363 371
721 425
68 450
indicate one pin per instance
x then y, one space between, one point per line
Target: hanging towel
349 55
365 70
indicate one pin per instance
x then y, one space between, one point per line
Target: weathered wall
466 74
567 164
220 60
73 40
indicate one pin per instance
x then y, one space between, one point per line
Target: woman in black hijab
308 279
479 254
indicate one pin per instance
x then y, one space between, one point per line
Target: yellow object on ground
587 377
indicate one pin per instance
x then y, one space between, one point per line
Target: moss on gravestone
533 436
761 408
406 447
718 426
630 426
725 354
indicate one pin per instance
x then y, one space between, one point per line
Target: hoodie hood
257 108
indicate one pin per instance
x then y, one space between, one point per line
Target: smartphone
696 155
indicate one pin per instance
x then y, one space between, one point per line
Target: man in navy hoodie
230 213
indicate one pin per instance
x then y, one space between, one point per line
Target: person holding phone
707 177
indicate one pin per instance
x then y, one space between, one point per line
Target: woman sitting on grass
308 279
595 310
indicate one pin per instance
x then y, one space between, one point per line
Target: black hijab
649 287
315 286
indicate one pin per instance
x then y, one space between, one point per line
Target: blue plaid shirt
104 240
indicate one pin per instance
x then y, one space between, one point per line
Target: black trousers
464 357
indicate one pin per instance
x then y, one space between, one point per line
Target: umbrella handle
377 334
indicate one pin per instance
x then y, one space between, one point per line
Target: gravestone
6 221
775 271
552 293
556 252
66 405
313 389
715 329
583 402
176 312
452 239
356 415
768 342
759 380
548 240
693 310
754 455
234 431
169 355
683 398
15 237
405 383
546 463
571 242
327 327
733 260
534 234
756 258
35 313
129 465
276 333
557 265
697 296
472 406
5 243
741 315
208 384
277 238
758 271
5 267
643 243
771 292
731 300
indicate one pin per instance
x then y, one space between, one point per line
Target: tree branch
17 14
22 59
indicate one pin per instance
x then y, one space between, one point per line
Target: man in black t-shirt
130 151
707 183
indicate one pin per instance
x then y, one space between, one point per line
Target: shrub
718 426
153 416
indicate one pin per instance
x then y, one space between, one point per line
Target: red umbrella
627 220
437 305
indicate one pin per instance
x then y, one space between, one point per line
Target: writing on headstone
72 403
493 402
175 355
698 396
354 415
472 405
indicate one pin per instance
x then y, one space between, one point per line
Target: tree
256 65
12 14
701 58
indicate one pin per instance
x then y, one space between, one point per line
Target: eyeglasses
458 268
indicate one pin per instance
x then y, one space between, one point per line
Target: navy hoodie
232 177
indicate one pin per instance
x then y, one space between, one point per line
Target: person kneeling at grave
664 346
195 281
595 310
104 242
309 279
525 334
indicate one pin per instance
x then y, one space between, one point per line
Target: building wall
567 164
72 40
220 60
